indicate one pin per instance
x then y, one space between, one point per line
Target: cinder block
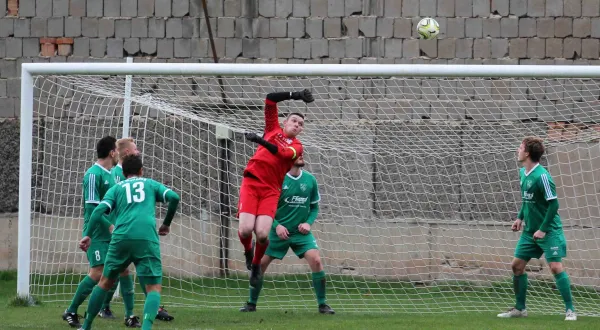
455 28
314 27
582 27
368 26
335 8
499 48
215 9
427 8
139 27
60 8
447 48
445 8
89 27
285 48
509 27
481 8
544 28
554 47
114 48
76 8
295 28
491 27
231 8
123 28
563 27
571 46
536 48
527 27
402 28
354 48
39 27
536 8
302 48
22 27
182 48
301 8
226 27
429 47
148 46
156 27
464 48
410 49
332 27
319 48
337 48
6 27
162 8
94 8
390 8
590 8
131 46
251 48
318 8
266 8
595 27
572 8
393 48
473 27
260 27
128 8
385 27
481 48
190 27
98 47
81 47
174 28
463 8
31 47
164 48
590 48
56 27
112 8
554 8
200 47
278 27
27 8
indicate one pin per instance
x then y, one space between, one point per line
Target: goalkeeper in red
263 176
297 211
542 229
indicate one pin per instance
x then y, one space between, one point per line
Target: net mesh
418 178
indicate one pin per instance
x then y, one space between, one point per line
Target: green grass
381 305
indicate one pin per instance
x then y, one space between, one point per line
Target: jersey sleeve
271 116
110 198
315 196
292 151
160 191
548 186
91 188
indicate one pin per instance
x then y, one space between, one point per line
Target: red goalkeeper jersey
268 168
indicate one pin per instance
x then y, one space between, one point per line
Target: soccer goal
416 166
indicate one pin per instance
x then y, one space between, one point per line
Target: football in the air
428 28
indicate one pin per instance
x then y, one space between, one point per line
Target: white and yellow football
428 28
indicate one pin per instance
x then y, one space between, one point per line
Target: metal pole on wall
127 102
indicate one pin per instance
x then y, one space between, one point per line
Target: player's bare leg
564 287
250 305
246 227
313 258
520 286
84 289
262 227
151 305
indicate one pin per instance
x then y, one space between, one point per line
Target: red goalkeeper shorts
257 198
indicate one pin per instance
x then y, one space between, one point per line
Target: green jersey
134 203
96 182
537 188
298 196
117 173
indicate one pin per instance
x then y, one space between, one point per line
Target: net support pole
25 163
127 103
223 135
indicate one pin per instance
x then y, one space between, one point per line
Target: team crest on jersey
303 186
528 184
285 187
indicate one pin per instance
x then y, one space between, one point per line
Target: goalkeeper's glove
304 95
253 137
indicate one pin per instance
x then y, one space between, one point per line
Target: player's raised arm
271 111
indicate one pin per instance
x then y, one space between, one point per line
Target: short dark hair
535 147
132 165
105 146
295 113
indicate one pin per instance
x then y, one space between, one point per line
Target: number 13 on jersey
135 193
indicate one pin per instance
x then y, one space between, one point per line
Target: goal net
417 173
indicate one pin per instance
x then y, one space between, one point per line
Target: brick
445 8
174 28
536 48
278 27
302 48
572 8
200 47
162 8
182 48
251 48
318 8
72 26
22 27
491 27
499 48
56 27
536 8
89 27
225 27
455 28
156 27
590 48
81 47
545 28
295 28
319 48
385 27
563 27
500 7
464 48
481 8
146 7
285 48
350 26
148 46
582 27
518 8
266 8
446 48
123 28
94 8
482 48
139 27
402 28
527 27
590 8
38 27
27 8
428 47
517 48
554 47
332 27
128 8
131 46
571 47
426 8
301 8
31 47
509 27
114 48
314 27
164 48
6 27
473 27
112 8
368 26
97 47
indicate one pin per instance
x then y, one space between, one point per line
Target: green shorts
299 243
553 246
145 255
96 253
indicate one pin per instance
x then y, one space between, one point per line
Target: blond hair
122 144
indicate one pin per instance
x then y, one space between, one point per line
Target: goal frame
30 70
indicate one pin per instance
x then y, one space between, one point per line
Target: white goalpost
416 166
